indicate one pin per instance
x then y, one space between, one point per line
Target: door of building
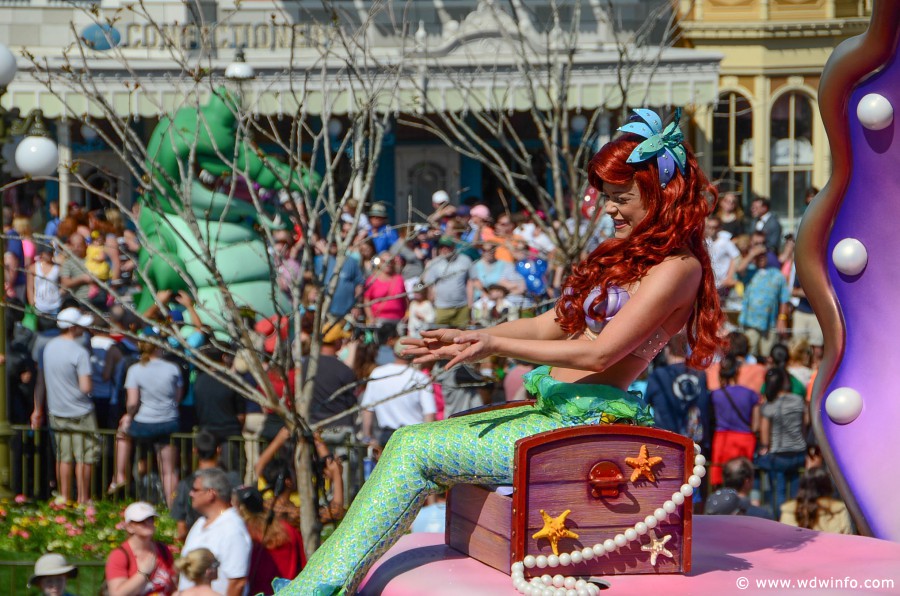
421 170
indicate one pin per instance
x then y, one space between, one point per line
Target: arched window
733 146
791 157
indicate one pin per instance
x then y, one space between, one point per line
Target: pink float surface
731 555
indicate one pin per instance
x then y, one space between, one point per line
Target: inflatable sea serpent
849 262
228 222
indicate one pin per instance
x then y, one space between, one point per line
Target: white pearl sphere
547 579
687 490
570 583
843 405
609 545
558 580
571 593
37 156
559 591
518 567
700 471
660 514
696 448
699 460
651 521
540 561
641 528
587 553
564 559
850 256
582 592
620 540
577 557
553 561
580 584
548 592
670 506
875 112
599 551
529 561
631 534
678 498
695 480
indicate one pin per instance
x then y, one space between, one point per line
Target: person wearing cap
440 201
733 498
449 275
50 574
479 224
221 530
66 368
42 287
383 235
140 565
397 395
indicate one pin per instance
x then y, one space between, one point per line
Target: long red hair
675 220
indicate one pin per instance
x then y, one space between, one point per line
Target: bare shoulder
683 265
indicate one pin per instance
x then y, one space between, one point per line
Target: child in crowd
96 263
420 315
50 574
201 567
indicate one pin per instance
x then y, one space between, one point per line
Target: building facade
766 133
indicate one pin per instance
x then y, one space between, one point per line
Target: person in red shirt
277 545
140 565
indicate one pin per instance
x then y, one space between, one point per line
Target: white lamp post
239 70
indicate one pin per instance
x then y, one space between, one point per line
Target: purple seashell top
597 314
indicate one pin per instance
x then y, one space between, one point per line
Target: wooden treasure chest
619 496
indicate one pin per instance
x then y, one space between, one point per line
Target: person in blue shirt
383 235
765 307
349 284
53 223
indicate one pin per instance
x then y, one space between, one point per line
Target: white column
64 142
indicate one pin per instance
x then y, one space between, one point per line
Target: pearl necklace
559 585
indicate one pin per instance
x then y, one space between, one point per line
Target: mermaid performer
618 309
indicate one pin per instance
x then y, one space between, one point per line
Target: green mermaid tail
427 458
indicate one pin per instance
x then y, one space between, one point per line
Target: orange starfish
555 530
643 465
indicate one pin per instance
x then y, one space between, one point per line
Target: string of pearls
560 585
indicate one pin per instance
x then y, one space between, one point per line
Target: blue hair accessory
665 145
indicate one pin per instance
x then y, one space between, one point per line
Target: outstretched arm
667 288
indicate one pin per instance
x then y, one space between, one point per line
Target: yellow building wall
772 47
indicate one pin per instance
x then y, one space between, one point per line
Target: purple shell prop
597 315
848 263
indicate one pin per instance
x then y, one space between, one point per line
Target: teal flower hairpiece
665 145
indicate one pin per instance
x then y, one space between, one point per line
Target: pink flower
72 532
2 512
20 499
90 511
24 534
60 519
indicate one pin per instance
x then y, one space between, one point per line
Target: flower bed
83 533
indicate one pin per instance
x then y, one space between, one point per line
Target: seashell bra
616 298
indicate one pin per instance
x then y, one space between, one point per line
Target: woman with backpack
736 410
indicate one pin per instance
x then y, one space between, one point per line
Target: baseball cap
72 317
440 197
50 565
447 241
480 211
139 511
723 502
463 211
334 332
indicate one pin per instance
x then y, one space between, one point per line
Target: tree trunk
309 506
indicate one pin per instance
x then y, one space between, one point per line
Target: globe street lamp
36 155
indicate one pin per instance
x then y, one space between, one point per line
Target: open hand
475 346
437 344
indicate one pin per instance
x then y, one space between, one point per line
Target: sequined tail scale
427 458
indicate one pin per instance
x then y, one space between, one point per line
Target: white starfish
657 547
